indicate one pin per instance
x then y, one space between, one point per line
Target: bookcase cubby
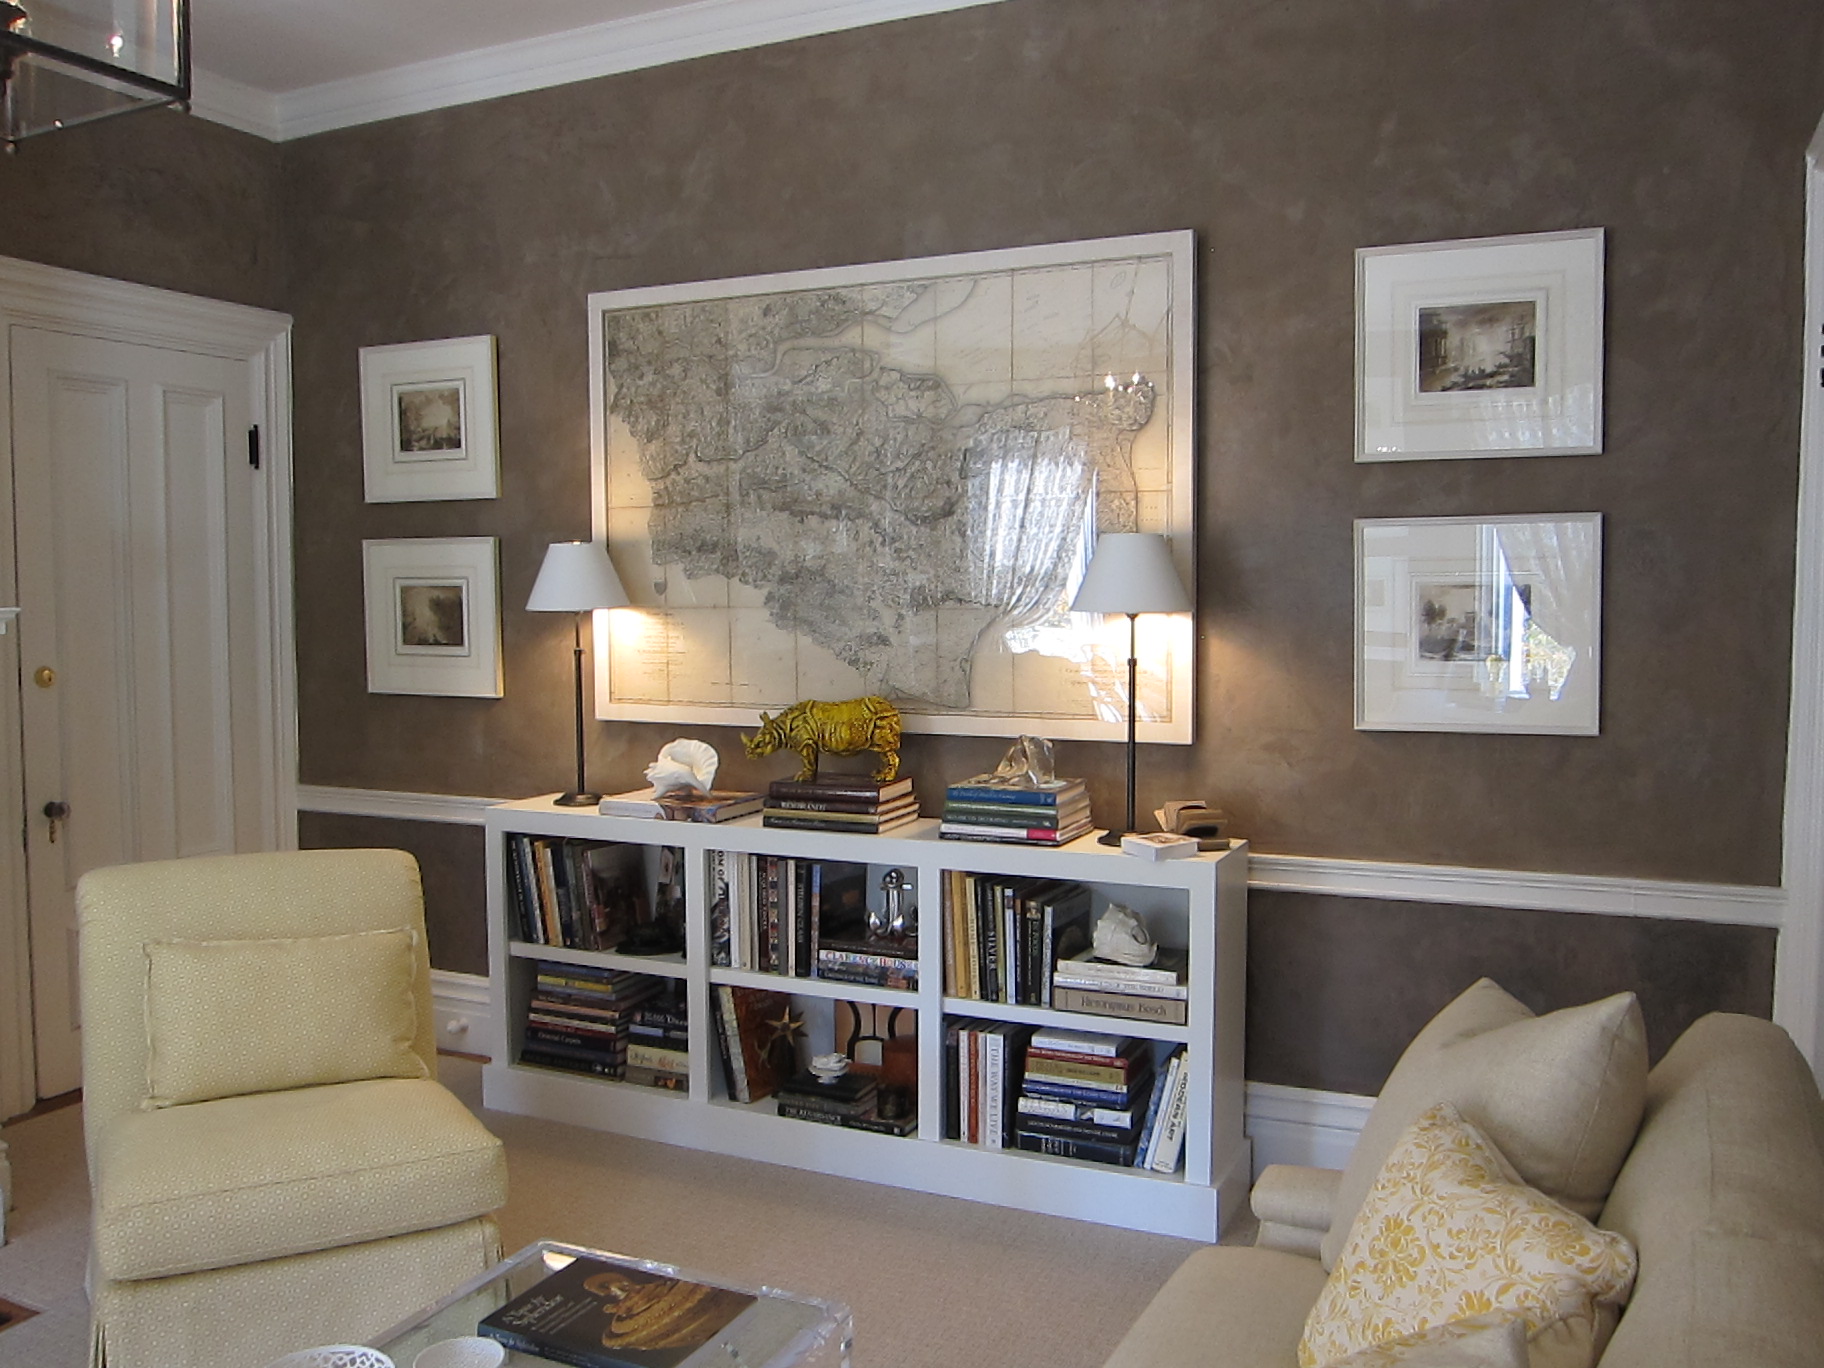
1197 905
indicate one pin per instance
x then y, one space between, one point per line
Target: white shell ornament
683 764
1122 937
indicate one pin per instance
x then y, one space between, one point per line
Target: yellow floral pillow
1449 1233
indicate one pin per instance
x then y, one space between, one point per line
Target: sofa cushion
1560 1095
1225 1307
240 1179
1450 1233
1723 1195
1491 1341
214 1027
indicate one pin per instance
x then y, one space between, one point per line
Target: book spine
1080 1092
816 788
1150 1121
809 822
737 1055
953 1102
1057 1108
1095 1151
1077 1130
1164 1011
657 1057
1070 1070
1122 973
546 1057
1164 1156
720 908
1099 1044
999 833
947 832
866 807
810 878
988 793
868 976
991 815
994 1121
1063 978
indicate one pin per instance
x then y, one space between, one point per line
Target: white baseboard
1287 1125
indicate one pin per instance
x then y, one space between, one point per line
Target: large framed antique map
888 479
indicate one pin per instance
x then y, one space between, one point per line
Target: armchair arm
1293 1204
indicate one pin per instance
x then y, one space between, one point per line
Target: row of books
1016 814
848 802
1075 1094
1153 992
1006 932
609 1022
801 918
576 893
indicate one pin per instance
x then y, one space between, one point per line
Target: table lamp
577 577
1132 573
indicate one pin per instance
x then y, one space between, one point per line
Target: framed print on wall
1479 624
428 428
433 616
1480 347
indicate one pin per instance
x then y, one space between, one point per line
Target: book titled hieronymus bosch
597 1314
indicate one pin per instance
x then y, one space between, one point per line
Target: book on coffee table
598 1314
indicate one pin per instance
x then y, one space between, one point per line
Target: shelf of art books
894 1007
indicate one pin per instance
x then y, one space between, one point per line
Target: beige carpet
933 1282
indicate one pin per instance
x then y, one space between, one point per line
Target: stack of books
1017 814
840 802
850 1100
580 1017
1083 1096
658 1041
1153 992
1162 1128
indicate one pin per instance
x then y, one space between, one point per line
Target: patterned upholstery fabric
219 1224
1449 1233
249 1178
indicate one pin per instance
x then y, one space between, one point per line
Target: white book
1130 988
994 1121
1065 1041
1173 1107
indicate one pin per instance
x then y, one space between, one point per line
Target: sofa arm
1293 1204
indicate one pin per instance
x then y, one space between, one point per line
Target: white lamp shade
1131 572
576 577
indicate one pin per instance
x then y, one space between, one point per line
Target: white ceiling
288 68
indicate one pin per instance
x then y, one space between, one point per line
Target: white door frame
1798 998
69 301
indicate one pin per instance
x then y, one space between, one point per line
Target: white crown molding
648 40
49 296
1733 904
1727 903
222 101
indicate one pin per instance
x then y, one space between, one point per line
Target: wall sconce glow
70 62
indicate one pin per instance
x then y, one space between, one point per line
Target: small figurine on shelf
846 728
684 766
1122 937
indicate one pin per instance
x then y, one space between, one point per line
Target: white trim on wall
1798 993
1725 903
628 44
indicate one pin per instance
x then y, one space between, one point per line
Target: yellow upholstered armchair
274 1164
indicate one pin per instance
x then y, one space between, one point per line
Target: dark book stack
658 1040
846 802
579 1017
850 1100
1152 992
983 1064
1016 814
577 894
1083 1096
803 918
1004 933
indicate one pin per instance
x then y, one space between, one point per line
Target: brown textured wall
451 861
1286 136
157 198
1337 986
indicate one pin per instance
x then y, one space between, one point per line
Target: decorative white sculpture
683 764
1122 937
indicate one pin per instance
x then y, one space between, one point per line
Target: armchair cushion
229 1017
1560 1095
241 1179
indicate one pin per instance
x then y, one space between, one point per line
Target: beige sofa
1721 1192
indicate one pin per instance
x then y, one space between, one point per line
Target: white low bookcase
1199 902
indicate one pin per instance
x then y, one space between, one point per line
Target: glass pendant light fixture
69 62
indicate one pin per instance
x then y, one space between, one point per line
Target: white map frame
650 641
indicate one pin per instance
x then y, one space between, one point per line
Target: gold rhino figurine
846 728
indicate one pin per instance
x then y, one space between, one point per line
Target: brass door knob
44 677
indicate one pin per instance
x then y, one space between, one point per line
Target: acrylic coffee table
780 1330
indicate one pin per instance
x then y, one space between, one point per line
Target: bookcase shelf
1198 903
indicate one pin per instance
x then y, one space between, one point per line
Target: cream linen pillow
228 1017
1449 1233
1560 1094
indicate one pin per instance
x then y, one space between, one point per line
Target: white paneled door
137 532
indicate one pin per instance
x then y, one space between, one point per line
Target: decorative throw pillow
1448 1234
1561 1094
228 1017
1491 1341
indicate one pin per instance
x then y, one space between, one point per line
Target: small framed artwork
1479 624
433 616
428 426
1481 347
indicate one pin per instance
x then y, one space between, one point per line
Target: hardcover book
842 786
597 1314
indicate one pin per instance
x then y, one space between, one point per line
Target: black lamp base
1110 838
577 799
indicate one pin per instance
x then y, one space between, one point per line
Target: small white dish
335 1356
465 1351
829 1067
